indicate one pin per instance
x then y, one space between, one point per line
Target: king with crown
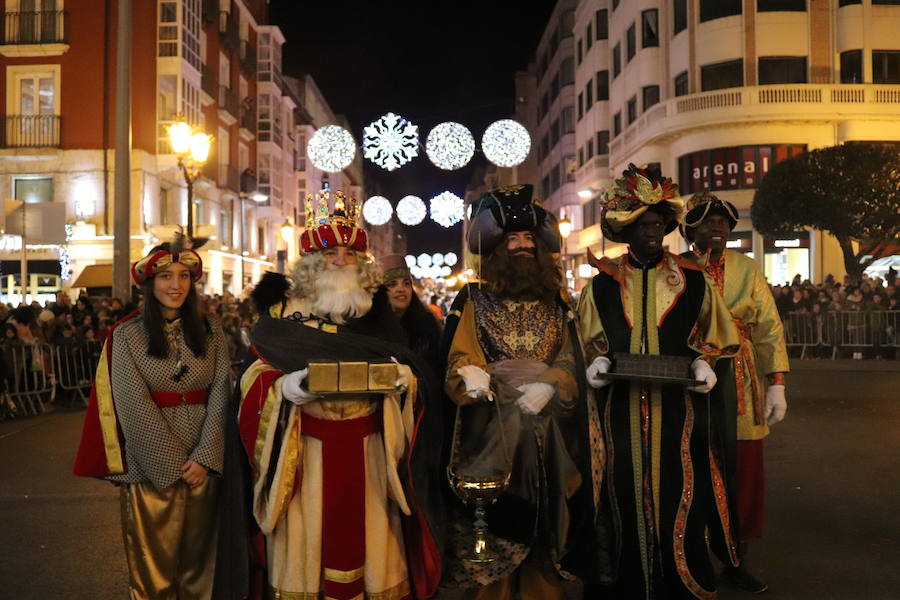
344 489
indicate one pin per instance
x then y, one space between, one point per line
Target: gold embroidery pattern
722 506
517 330
339 576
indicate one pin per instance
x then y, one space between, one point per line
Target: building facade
716 92
215 64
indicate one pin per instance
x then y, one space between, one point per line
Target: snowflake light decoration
331 148
377 210
447 209
411 210
450 146
506 143
391 141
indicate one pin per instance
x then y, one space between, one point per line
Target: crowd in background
870 294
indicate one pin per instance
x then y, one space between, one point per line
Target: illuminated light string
391 142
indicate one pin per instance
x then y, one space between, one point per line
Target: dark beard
521 278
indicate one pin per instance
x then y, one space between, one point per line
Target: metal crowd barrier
27 377
842 332
75 364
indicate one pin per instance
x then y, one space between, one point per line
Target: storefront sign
731 168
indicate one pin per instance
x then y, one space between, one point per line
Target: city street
833 526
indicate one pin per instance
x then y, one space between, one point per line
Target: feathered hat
329 230
179 250
703 204
632 195
507 210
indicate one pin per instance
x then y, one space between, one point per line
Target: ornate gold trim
338 576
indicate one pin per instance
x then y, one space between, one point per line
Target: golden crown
346 210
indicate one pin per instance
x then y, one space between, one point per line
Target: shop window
630 42
851 66
617 60
33 191
602 85
679 15
782 69
650 28
722 75
886 66
781 5
716 9
681 84
650 96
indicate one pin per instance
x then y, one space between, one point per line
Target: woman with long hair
163 382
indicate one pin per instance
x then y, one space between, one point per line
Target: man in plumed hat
514 365
343 487
751 405
664 484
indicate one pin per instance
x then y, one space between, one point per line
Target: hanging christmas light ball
450 259
377 210
450 146
331 148
424 260
506 143
447 209
437 259
391 141
411 210
410 260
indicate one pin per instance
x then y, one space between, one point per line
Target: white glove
477 380
404 374
534 398
701 371
292 390
776 404
595 371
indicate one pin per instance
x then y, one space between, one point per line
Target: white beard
339 296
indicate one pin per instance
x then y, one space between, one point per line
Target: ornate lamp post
192 148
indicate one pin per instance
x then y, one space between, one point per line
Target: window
617 124
650 28
580 105
722 75
554 133
651 96
603 142
885 66
554 86
679 16
601 25
886 2
617 60
578 51
716 9
781 5
588 95
33 191
567 120
851 66
580 157
590 149
615 4
567 72
681 84
782 69
545 186
590 36
632 109
848 2
602 85
630 43
554 177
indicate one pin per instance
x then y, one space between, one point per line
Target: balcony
248 58
31 131
758 104
35 33
228 105
228 30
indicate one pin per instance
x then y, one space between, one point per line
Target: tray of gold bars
652 368
351 378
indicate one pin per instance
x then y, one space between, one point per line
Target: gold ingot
323 376
382 376
354 376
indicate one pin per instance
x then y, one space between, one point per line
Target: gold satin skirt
170 540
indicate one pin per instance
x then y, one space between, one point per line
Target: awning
94 276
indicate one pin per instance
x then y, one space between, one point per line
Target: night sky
429 61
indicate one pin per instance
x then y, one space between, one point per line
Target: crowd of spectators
870 294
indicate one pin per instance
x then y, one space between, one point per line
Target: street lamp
287 232
259 199
192 148
565 230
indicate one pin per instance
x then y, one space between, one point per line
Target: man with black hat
514 361
751 407
664 485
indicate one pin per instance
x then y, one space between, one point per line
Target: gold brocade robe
748 298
